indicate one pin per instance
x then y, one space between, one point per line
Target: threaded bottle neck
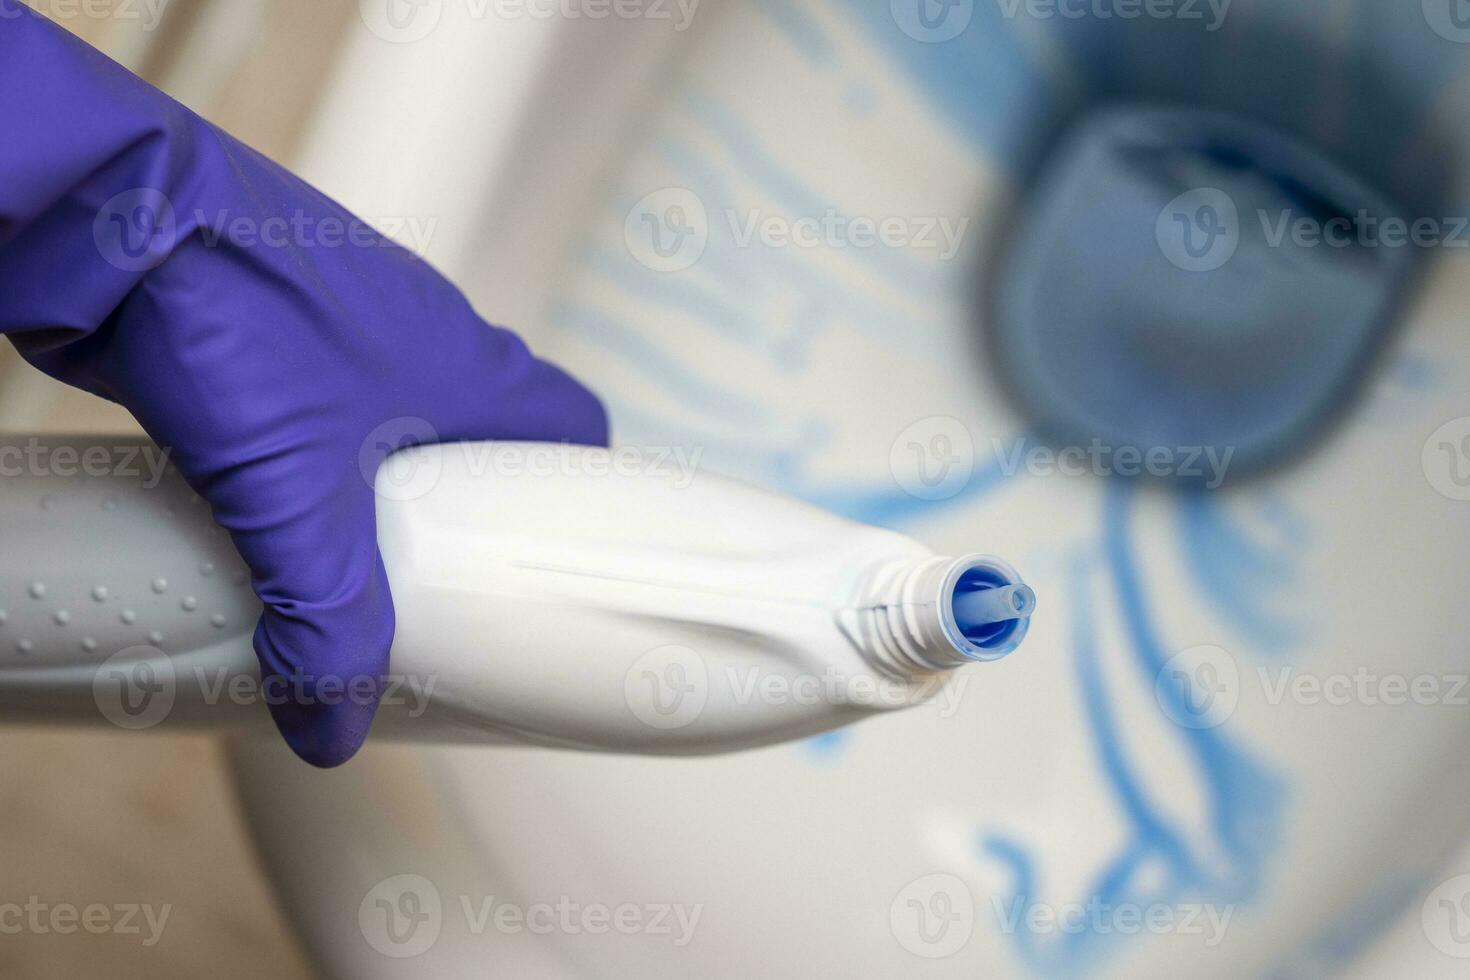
903 613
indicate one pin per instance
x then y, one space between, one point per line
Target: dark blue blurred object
1188 280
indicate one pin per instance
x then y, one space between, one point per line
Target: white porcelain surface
1318 829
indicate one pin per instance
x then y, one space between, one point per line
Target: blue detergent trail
1245 799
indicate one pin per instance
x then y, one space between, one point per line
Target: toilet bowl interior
670 272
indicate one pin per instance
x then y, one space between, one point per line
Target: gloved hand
265 357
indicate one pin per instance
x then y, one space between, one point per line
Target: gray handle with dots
108 554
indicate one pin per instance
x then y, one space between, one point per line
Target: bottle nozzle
942 613
976 606
989 608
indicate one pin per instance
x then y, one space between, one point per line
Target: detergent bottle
620 600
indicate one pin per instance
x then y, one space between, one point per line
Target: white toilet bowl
1209 760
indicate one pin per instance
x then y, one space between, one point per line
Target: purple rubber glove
276 365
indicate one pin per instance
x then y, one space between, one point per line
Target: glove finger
323 667
305 525
485 384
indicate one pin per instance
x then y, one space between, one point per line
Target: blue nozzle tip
987 607
992 609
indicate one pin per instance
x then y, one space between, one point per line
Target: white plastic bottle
585 598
